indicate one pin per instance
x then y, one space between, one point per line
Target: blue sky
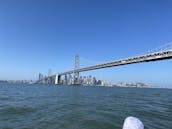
36 35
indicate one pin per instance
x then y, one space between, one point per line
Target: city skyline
36 36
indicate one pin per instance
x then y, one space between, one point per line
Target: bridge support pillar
57 79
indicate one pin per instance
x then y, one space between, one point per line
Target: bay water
82 107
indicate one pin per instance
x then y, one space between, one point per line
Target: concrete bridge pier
57 79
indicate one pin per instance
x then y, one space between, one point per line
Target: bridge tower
76 66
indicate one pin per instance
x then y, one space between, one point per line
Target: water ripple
68 107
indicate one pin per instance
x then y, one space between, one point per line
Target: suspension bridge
160 53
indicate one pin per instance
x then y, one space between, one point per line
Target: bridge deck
144 58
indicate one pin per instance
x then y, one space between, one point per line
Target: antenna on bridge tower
76 74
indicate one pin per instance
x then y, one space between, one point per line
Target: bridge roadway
144 58
162 55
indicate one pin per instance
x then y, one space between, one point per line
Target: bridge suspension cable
88 62
164 47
